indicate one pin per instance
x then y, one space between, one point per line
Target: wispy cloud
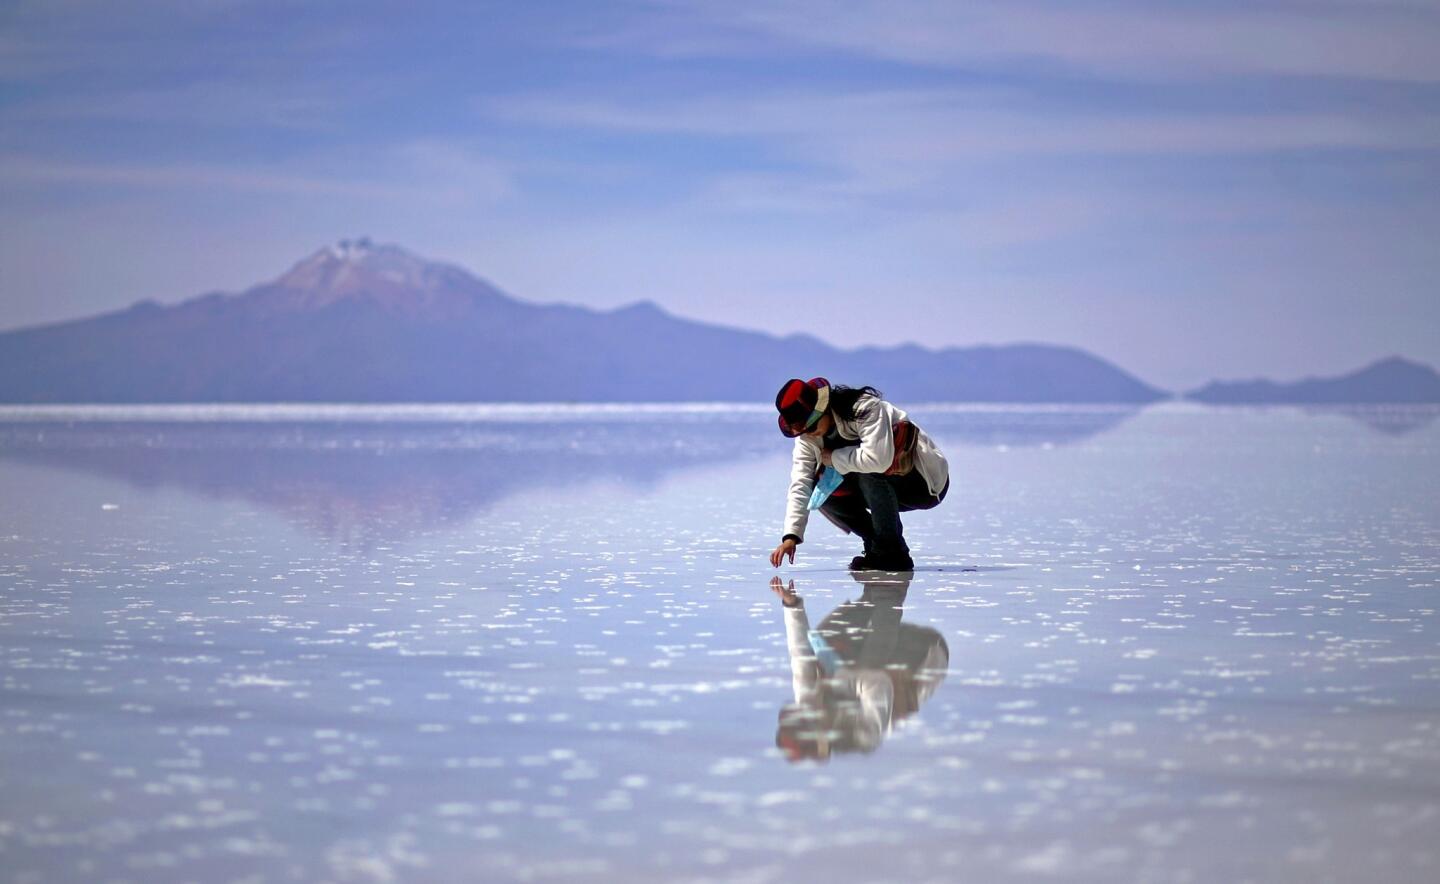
418 170
859 151
222 105
450 170
30 170
979 123
1330 38
130 42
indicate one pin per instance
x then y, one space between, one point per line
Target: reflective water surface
543 643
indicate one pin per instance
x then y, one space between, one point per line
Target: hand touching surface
786 547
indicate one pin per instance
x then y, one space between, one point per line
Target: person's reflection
857 674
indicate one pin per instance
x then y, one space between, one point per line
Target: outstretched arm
804 463
804 669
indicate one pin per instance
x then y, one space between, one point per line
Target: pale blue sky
1192 189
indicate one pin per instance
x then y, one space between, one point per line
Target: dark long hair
843 399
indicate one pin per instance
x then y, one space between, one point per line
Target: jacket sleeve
804 668
875 420
803 463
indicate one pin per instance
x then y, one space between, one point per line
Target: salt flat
493 643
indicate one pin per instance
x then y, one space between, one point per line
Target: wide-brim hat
802 734
801 404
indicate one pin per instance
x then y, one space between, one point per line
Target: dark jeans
873 506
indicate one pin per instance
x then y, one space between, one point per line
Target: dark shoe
873 562
901 562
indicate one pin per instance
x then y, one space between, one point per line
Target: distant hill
1393 380
364 323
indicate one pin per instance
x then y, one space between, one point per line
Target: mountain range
1393 381
359 322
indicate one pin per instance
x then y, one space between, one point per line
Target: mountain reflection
361 485
361 477
859 672
1020 426
1388 420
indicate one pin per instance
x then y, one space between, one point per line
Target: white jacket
874 427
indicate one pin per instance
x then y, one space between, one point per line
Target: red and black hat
801 403
803 734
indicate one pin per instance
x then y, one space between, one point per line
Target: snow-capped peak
351 249
361 270
356 263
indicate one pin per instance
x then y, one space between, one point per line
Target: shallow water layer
491 643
